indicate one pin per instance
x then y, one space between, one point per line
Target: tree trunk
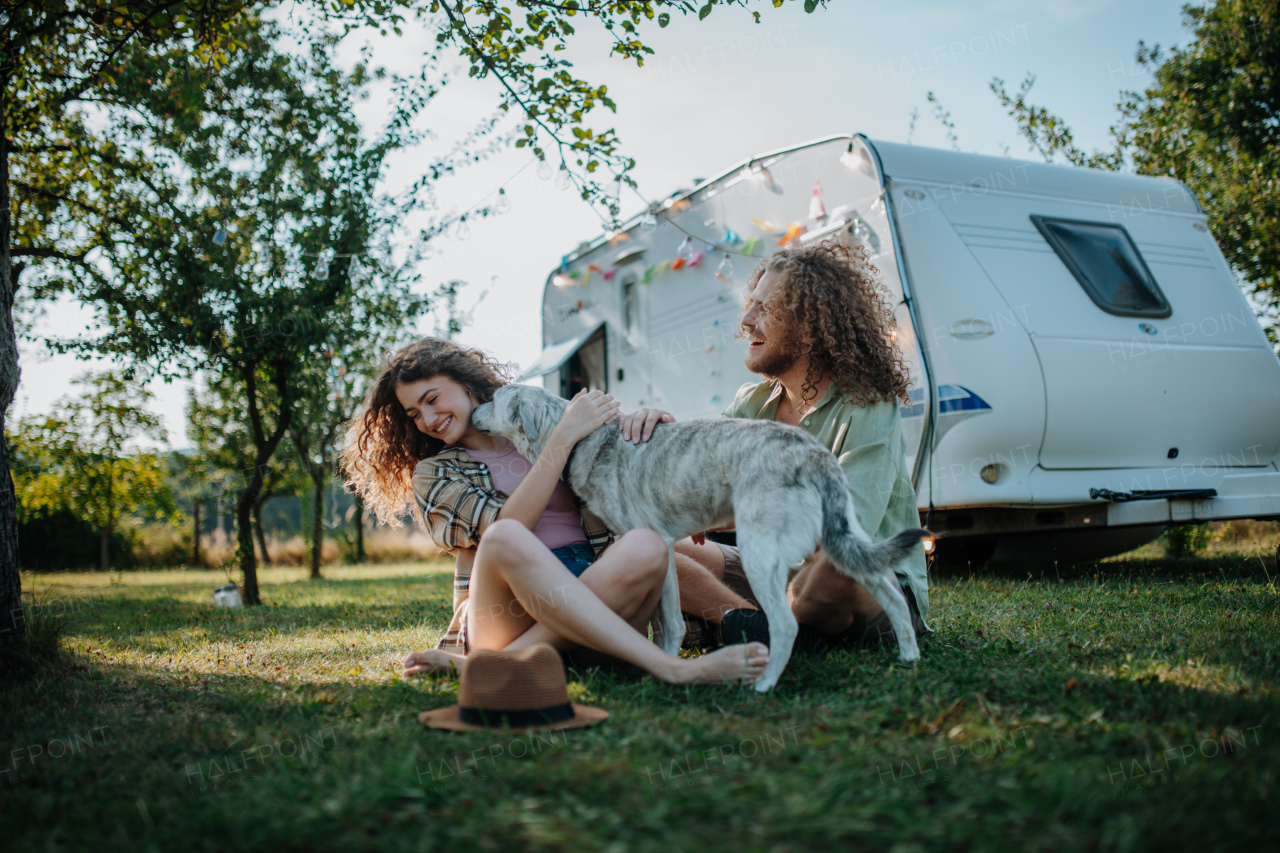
244 543
12 622
317 526
195 539
260 533
248 496
104 535
359 518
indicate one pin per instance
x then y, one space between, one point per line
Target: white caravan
1085 369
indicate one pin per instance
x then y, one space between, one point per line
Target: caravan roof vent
1105 261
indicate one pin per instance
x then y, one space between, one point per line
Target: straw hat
520 691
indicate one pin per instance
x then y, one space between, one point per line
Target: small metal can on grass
227 595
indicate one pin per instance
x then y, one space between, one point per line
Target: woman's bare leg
516 582
617 578
431 661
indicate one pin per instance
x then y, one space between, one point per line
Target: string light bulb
686 248
503 204
464 230
562 179
725 269
649 221
544 171
857 158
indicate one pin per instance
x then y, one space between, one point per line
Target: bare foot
732 664
430 662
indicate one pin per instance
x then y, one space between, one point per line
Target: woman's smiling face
438 406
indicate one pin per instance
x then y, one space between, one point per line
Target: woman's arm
587 411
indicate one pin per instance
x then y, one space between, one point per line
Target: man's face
773 342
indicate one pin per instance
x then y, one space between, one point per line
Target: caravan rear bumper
1252 495
1067 506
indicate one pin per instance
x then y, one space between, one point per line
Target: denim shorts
576 557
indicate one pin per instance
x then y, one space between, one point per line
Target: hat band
531 717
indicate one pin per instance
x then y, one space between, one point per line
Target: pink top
560 524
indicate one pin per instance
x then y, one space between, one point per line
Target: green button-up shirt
869 444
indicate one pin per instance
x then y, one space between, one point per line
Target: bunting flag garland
793 231
656 269
764 225
609 273
816 211
593 267
678 264
695 259
731 237
749 247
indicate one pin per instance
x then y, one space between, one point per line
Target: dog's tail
848 545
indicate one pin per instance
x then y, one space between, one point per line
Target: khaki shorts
736 579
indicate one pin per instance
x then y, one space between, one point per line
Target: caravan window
1105 261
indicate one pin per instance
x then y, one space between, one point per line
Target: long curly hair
842 317
383 445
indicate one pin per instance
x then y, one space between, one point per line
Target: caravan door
1149 350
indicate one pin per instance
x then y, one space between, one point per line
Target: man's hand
638 426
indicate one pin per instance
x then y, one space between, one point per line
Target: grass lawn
1126 705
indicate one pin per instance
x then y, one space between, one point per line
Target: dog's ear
529 423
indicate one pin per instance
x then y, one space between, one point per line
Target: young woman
541 573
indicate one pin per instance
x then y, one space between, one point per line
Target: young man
820 330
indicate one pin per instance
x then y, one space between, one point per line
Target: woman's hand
587 412
638 426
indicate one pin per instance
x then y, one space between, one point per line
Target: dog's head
521 413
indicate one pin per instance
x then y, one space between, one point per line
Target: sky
715 93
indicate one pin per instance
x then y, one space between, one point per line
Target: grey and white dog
784 492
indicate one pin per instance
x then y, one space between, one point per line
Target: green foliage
65 175
521 43
262 241
54 541
1211 119
219 429
81 459
1191 540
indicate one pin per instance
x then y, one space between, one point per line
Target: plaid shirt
458 502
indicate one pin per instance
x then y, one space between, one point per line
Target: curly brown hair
843 318
383 445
